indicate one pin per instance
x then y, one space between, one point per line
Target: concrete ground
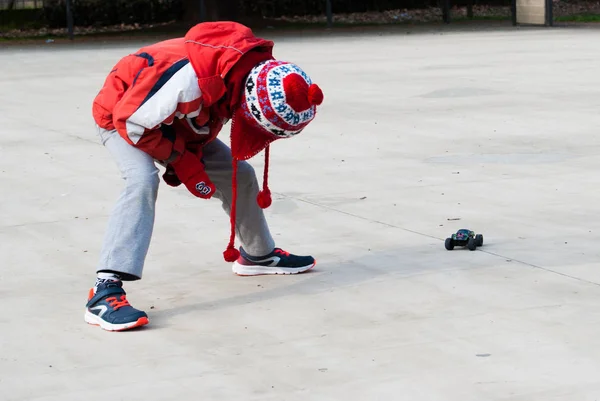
420 135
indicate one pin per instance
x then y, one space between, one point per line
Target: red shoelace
116 304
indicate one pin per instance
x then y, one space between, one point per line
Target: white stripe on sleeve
182 87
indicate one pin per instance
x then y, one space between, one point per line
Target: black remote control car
464 238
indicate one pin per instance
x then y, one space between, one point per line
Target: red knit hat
279 102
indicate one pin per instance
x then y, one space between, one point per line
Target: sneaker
110 310
277 262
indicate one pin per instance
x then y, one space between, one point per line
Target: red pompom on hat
315 95
279 101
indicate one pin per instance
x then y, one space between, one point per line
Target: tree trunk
11 4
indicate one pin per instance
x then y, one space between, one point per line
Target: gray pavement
420 135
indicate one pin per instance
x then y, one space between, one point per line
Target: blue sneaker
110 310
277 262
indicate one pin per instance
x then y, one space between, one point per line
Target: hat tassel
231 254
263 198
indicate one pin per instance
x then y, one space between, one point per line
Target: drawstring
264 197
231 254
266 172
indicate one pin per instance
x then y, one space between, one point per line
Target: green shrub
112 12
21 19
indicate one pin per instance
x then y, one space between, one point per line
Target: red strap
231 254
264 197
266 172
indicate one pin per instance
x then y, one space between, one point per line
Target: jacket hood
213 48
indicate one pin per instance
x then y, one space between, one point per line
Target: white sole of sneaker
94 320
255 270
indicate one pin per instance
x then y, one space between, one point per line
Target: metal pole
446 11
513 12
549 16
202 11
329 11
70 19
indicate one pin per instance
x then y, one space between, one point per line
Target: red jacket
178 92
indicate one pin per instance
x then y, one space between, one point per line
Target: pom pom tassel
264 199
231 254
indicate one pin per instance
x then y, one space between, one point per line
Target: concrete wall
531 12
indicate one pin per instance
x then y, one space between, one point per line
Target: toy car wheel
449 244
479 239
472 244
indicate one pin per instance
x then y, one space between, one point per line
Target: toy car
464 238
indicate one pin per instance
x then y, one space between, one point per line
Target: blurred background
31 18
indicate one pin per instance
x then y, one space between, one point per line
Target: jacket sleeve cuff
162 144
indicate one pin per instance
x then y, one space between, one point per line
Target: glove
190 171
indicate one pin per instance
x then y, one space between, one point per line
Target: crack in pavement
437 238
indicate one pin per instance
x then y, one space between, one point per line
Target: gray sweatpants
131 223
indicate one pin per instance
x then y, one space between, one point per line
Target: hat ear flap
248 137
